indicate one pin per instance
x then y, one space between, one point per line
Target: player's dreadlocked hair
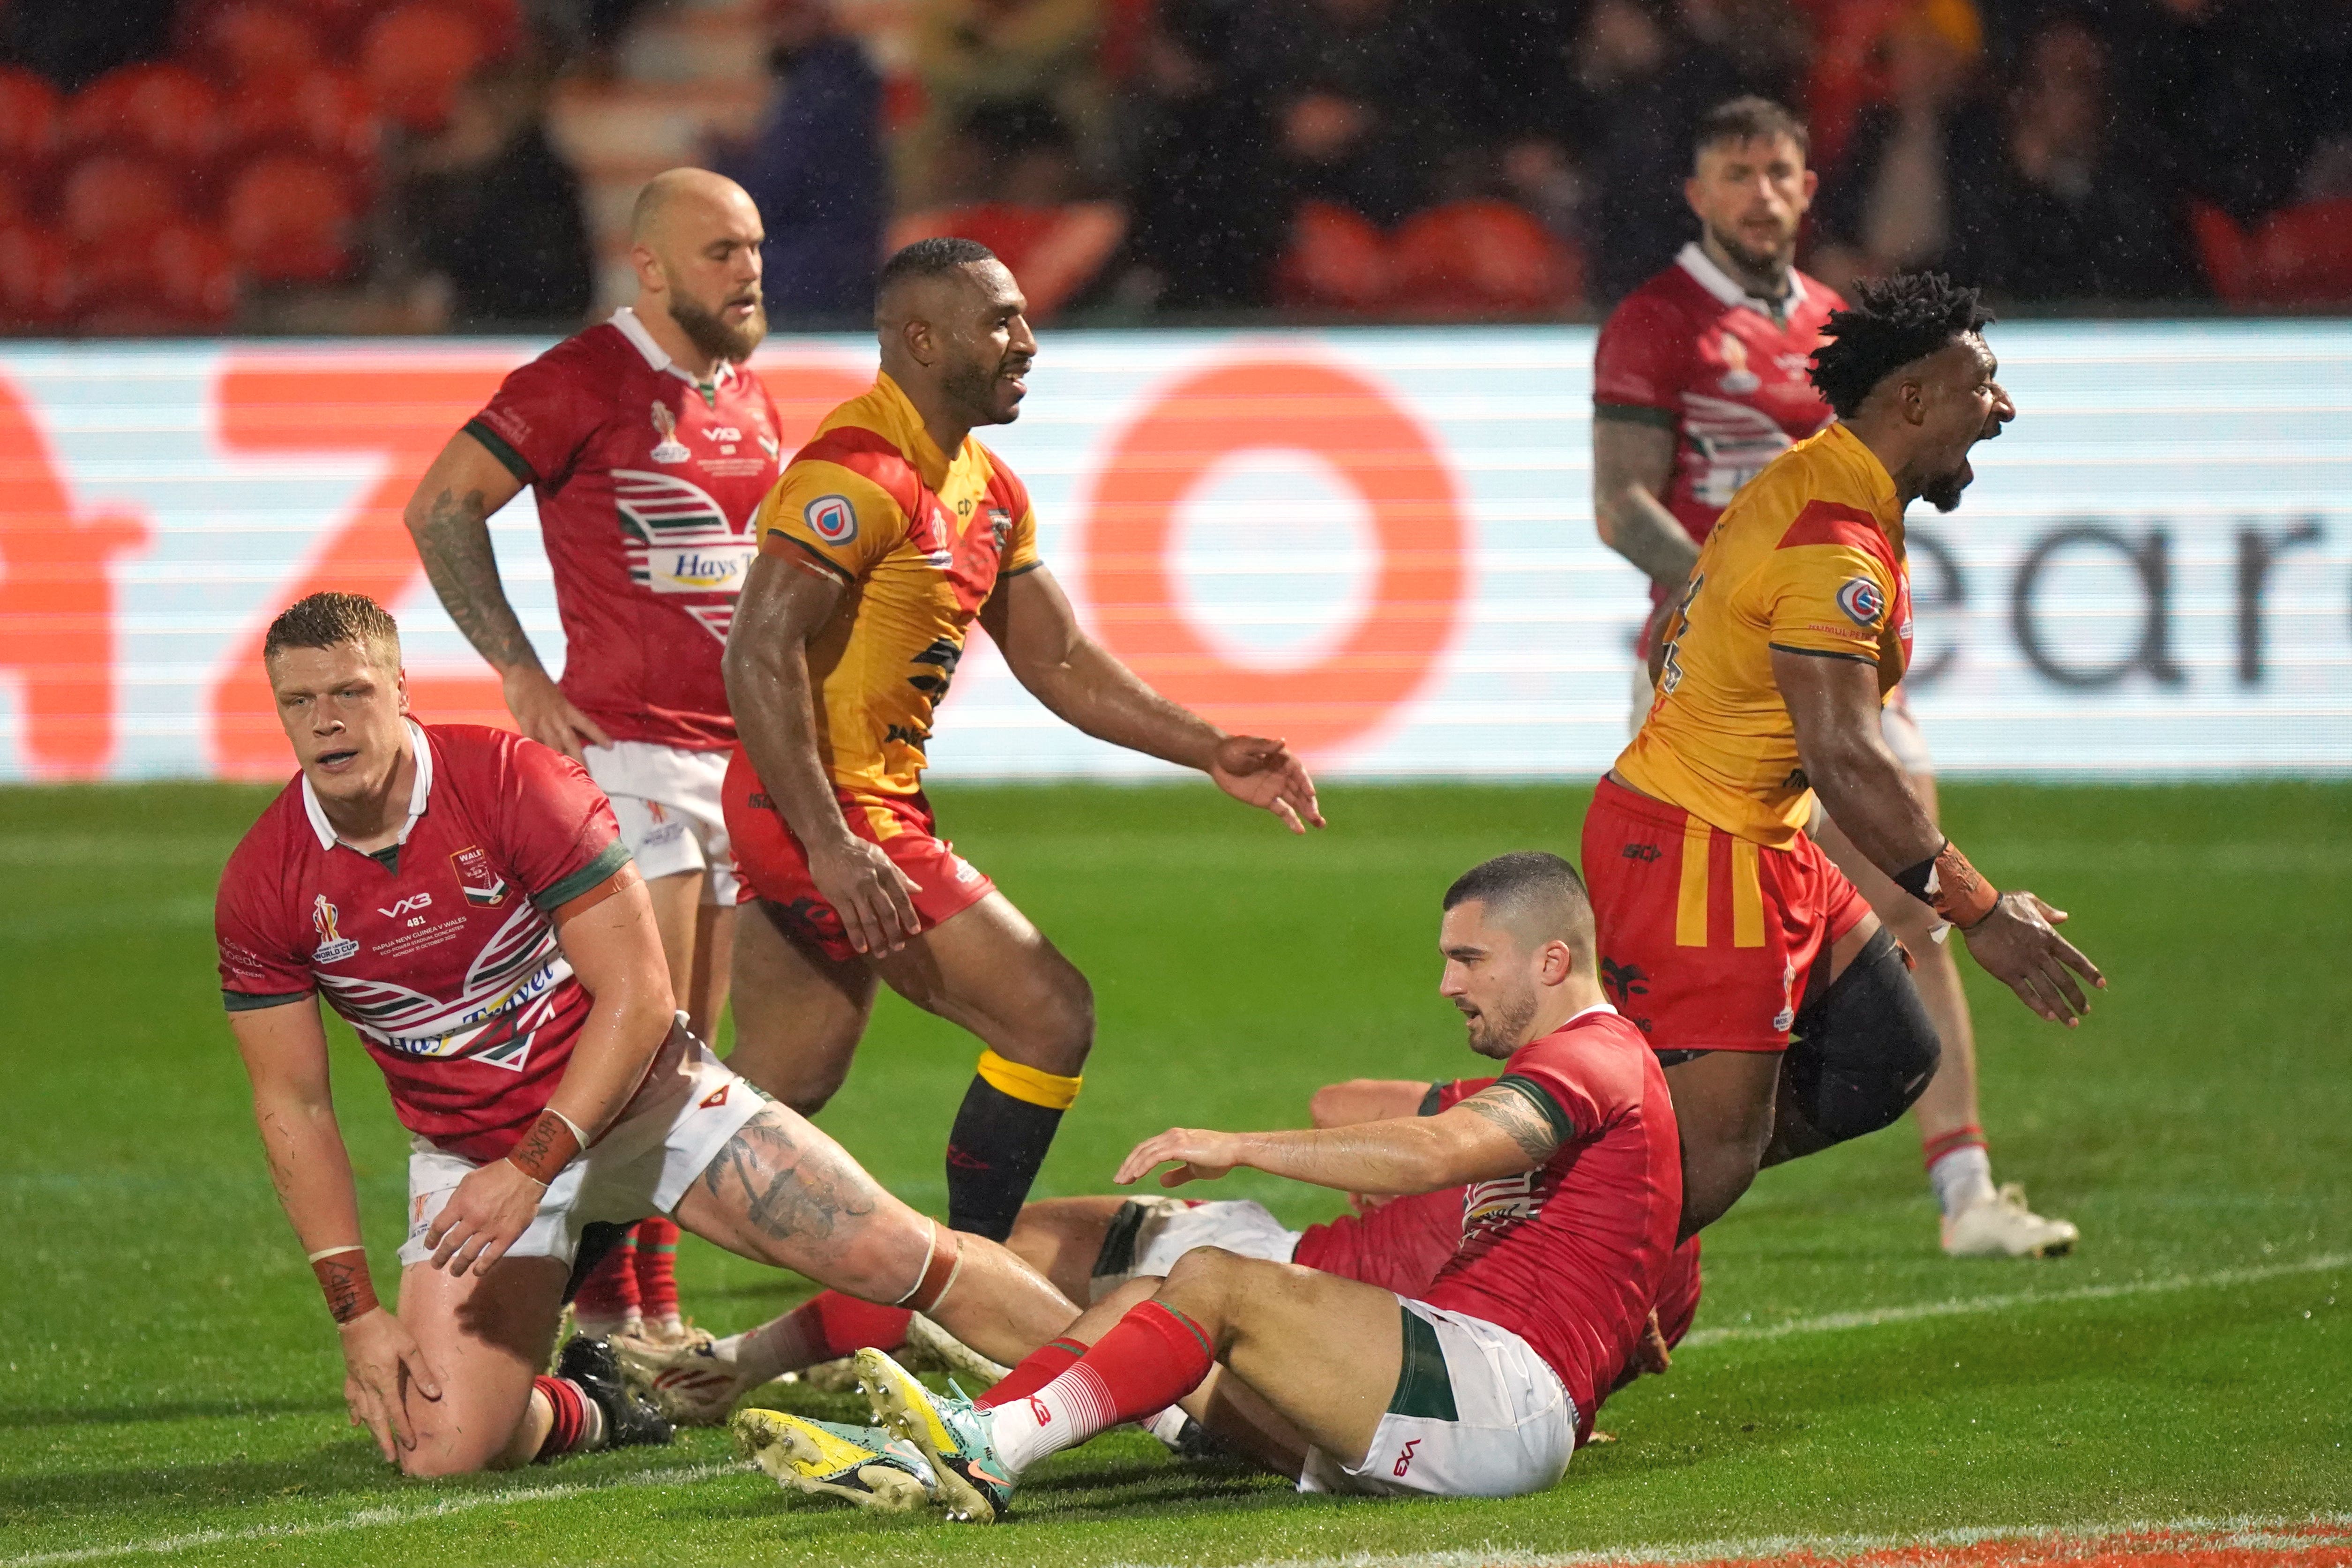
330 619
1897 319
930 259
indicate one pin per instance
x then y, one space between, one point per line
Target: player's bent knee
1866 1049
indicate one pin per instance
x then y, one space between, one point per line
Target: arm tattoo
1509 1110
454 544
784 1192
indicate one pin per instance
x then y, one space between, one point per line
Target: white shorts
641 1167
666 799
1895 722
1148 1234
1477 1413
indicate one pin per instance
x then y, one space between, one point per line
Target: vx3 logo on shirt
408 906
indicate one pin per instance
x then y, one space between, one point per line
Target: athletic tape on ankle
942 1261
1030 1085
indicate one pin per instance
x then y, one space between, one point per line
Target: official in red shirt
647 443
1698 381
461 897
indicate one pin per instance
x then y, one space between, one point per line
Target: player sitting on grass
1479 1386
462 897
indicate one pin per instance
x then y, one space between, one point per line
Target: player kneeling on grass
1479 1386
462 898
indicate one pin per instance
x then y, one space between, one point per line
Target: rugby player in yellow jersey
1725 930
886 537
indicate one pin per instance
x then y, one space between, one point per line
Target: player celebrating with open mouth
462 897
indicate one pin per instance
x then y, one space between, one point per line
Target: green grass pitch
172 1387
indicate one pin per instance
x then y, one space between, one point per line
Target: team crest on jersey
333 948
1500 1203
669 449
1000 523
1862 601
831 519
477 879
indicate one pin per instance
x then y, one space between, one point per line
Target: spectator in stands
1888 204
973 52
816 169
1363 96
493 211
2075 206
1207 213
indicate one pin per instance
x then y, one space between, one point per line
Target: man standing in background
1698 381
647 446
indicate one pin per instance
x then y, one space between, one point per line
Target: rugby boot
930 1347
2003 1226
861 1465
973 1484
629 1420
694 1383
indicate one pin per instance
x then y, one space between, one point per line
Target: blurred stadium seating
1543 175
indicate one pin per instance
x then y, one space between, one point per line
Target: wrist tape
343 1279
547 1147
1949 885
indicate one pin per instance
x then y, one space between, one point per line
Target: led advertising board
1379 544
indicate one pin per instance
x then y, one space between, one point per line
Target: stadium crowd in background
330 166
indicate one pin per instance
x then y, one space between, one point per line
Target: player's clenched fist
488 1214
1199 1156
874 899
2018 946
1266 774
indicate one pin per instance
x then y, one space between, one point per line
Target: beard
1497 1029
713 336
971 388
1763 264
1943 493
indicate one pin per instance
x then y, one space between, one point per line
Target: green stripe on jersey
495 445
1537 1096
1424 1389
615 856
247 1003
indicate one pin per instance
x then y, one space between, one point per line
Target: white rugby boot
930 1347
2001 1226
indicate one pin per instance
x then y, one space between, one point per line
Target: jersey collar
419 792
658 357
1595 1010
1694 259
913 439
1882 499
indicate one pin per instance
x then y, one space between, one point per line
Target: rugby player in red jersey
648 443
1698 381
891 532
1478 1385
462 899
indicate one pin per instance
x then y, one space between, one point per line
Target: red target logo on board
1350 424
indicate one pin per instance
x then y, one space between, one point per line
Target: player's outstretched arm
788 599
1084 684
1497 1132
1834 702
285 1052
448 516
608 936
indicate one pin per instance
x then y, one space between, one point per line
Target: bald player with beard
647 446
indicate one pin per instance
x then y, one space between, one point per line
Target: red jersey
440 951
645 483
1693 352
1400 1245
1570 1256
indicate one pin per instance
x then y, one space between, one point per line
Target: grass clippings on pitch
172 1390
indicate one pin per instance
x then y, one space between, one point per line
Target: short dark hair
1535 891
330 619
1893 321
931 258
1748 119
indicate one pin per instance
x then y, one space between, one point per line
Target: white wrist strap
331 1251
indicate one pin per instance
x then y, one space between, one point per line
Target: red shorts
773 868
1707 942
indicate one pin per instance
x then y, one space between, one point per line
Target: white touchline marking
2274 1532
1833 1323
370 1518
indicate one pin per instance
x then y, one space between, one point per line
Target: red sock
609 1293
1149 1360
570 1429
834 1326
656 1267
1042 1367
1934 1149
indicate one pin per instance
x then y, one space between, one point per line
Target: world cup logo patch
332 947
831 519
1862 601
